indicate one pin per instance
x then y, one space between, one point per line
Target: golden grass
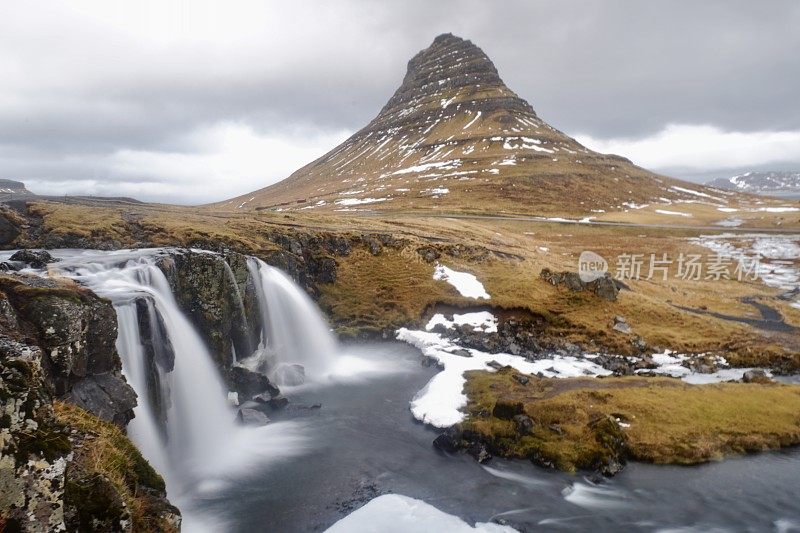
670 421
376 293
108 452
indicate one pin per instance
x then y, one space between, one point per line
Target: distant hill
454 137
13 190
781 183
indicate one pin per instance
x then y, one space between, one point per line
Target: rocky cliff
69 467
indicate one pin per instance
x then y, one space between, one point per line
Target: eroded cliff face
58 466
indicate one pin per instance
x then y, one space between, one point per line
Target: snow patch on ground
359 201
465 283
481 320
441 402
676 213
394 513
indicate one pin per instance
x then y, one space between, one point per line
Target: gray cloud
84 87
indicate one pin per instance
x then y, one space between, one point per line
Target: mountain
13 190
454 137
769 183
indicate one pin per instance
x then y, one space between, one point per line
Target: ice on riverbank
441 402
393 513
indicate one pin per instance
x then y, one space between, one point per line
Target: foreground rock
68 468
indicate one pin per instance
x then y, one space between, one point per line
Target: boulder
108 396
33 258
449 441
756 376
479 452
249 384
524 424
604 287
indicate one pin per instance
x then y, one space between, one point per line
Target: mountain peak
453 136
449 69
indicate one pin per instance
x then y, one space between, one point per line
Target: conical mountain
454 137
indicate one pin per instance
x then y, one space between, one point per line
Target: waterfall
296 343
197 444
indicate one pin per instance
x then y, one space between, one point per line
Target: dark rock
604 287
555 428
507 410
251 417
479 452
494 364
8 229
756 376
461 352
450 441
209 291
107 396
278 402
429 254
249 384
522 380
524 424
33 258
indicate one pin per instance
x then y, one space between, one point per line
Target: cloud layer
198 101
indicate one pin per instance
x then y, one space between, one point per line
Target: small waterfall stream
295 339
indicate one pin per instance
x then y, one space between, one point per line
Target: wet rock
251 417
249 384
450 441
507 410
208 290
33 258
756 376
524 424
77 331
479 452
278 402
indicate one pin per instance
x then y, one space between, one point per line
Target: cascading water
197 443
296 343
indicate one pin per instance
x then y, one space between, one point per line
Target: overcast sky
195 101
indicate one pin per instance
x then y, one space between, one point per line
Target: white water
293 330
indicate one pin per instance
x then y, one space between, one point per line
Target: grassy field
579 423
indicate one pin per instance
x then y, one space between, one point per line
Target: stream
363 442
